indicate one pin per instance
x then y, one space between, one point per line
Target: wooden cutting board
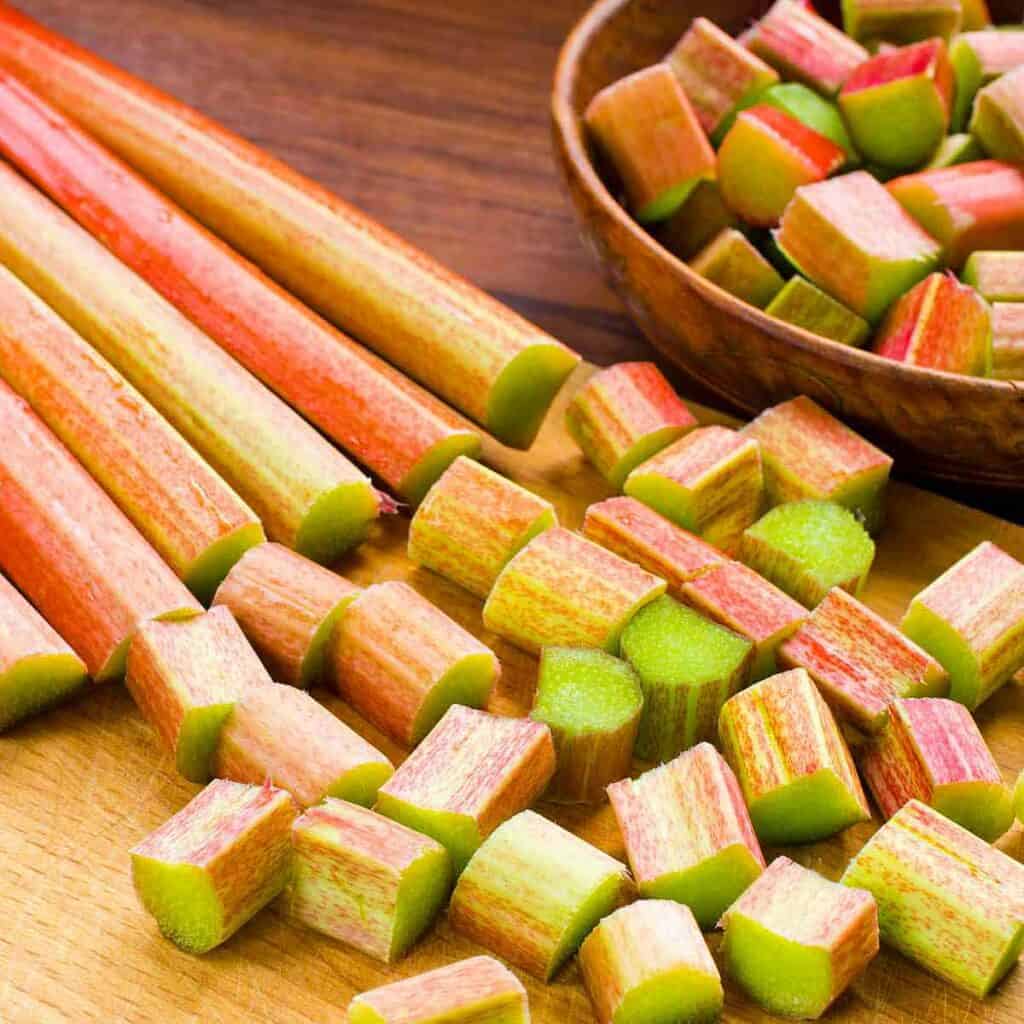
80 786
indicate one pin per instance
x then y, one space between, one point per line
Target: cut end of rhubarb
38 682
804 305
338 520
730 261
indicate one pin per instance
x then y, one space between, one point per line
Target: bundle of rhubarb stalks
867 184
168 514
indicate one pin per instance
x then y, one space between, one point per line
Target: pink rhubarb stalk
1008 340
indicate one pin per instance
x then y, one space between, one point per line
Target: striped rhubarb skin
623 415
193 519
639 534
400 433
307 493
794 767
37 668
288 608
933 751
860 662
687 833
946 899
71 551
996 276
470 349
997 120
901 21
1008 340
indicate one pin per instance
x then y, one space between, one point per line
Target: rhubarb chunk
898 104
564 590
940 324
186 678
709 482
364 879
216 863
794 941
860 662
697 222
288 608
978 59
953 150
996 276
976 15
718 74
472 521
968 207
998 118
474 991
901 21
591 702
792 763
807 453
808 547
766 156
687 833
804 47
648 963
971 620
279 733
401 662
625 414
1008 340
472 772
648 127
731 261
37 668
946 899
688 668
852 239
806 306
932 751
637 533
741 600
533 891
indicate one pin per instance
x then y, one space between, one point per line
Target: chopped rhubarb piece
998 118
1008 340
932 751
564 590
709 481
978 59
472 772
852 239
901 21
804 47
968 207
996 276
877 96
697 222
794 941
70 549
37 668
946 899
741 600
472 521
808 453
279 733
649 962
401 662
860 662
638 533
731 261
288 608
1018 797
717 73
976 15
807 306
216 863
625 414
648 127
472 991
953 150
808 547
971 619
791 760
591 702
940 324
364 879
688 668
186 678
687 833
533 891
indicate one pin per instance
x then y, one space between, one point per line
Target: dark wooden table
430 114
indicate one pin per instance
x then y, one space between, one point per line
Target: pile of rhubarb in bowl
863 184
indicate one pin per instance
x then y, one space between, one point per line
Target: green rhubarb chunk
208 571
948 647
682 994
997 121
807 306
38 682
696 222
732 262
688 668
960 148
808 547
967 80
182 899
996 276
338 520
198 737
468 682
432 464
421 894
1018 797
809 808
984 808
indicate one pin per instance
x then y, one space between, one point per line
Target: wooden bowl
942 424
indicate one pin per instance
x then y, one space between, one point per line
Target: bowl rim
569 129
